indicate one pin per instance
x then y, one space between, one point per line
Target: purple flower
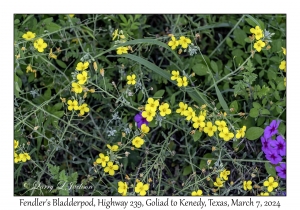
266 146
140 120
273 156
279 145
271 129
281 170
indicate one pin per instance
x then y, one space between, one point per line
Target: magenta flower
138 118
273 156
271 129
279 145
266 144
281 170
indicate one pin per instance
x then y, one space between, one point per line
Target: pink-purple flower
138 118
273 156
279 145
281 170
272 129
265 144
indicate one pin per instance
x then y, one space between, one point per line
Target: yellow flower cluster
21 157
29 69
181 81
183 41
208 127
108 166
197 193
73 105
222 178
258 33
141 188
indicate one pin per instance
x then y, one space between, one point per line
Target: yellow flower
122 188
271 184
264 194
182 81
16 158
173 43
224 174
131 79
184 42
29 35
137 142
164 109
83 108
210 129
218 183
240 133
115 34
40 45
257 32
111 168
198 121
189 113
148 114
197 193
141 188
122 50
182 108
72 105
283 50
175 75
82 78
221 124
152 104
77 88
71 15
102 159
247 185
258 45
113 148
52 55
282 66
82 66
16 144
145 129
24 157
226 135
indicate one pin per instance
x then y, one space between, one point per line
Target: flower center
280 146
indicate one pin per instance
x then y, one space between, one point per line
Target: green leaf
281 128
265 112
200 69
235 106
254 133
159 94
54 170
62 176
47 94
214 66
73 178
281 86
221 99
58 106
47 20
58 114
256 105
251 22
197 135
61 63
51 27
258 58
203 162
229 42
270 169
140 96
27 18
239 36
187 170
254 112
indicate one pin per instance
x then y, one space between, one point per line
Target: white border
153 6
